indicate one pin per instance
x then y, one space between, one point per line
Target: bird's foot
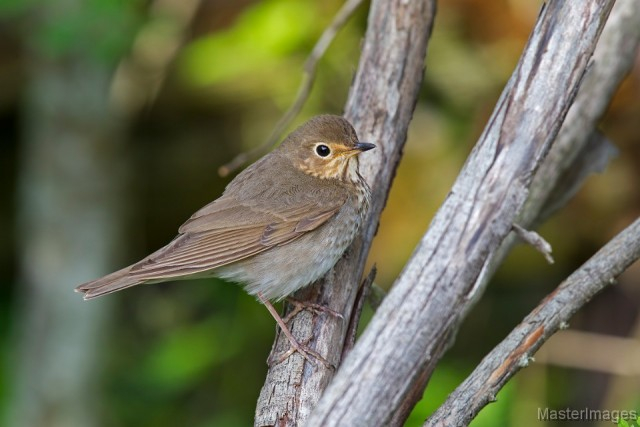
304 350
299 306
310 355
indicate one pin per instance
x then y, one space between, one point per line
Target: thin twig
535 240
309 74
363 295
375 297
139 76
552 314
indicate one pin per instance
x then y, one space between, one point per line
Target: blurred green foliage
199 364
262 38
13 8
98 30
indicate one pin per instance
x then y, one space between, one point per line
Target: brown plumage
279 225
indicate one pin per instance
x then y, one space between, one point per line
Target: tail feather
108 284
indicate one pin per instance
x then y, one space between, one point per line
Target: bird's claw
304 351
299 306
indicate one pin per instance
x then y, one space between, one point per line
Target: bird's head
325 147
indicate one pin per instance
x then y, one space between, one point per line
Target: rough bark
576 149
580 149
574 153
380 106
390 365
516 350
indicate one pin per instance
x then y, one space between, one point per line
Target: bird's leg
274 360
304 351
298 306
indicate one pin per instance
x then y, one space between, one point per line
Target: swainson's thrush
280 225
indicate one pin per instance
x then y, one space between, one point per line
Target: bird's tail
108 284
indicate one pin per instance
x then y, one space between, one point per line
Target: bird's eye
323 150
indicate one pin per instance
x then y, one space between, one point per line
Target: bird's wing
227 230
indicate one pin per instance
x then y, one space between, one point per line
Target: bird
280 224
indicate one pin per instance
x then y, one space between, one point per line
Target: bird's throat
340 168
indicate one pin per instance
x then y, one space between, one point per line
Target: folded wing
227 230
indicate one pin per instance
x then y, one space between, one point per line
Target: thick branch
410 331
579 149
578 139
613 59
553 313
380 107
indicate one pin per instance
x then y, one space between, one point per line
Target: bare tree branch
553 313
380 106
578 138
535 240
577 149
363 296
389 366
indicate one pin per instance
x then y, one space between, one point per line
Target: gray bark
516 350
577 150
580 149
387 370
380 106
574 153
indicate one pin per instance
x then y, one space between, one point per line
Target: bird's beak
364 146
